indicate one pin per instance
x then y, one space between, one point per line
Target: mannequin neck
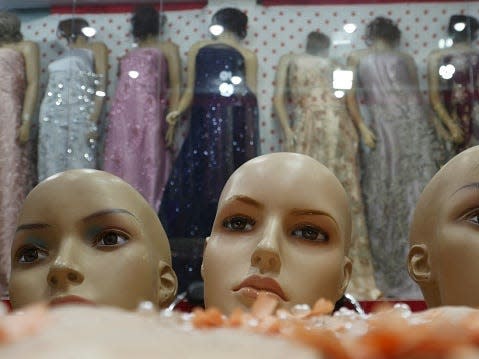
80 41
149 41
381 44
459 45
228 37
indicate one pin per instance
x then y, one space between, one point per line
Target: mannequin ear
202 263
347 269
167 284
418 264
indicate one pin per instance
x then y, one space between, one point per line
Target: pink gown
134 146
15 167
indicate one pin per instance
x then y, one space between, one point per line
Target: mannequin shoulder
99 47
169 47
27 48
354 57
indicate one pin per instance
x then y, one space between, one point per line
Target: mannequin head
283 226
86 235
70 29
146 22
317 43
233 20
462 34
444 245
383 29
9 28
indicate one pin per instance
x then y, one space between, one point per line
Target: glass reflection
342 79
446 71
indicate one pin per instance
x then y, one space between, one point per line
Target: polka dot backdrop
273 32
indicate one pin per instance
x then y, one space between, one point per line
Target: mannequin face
87 236
444 251
282 226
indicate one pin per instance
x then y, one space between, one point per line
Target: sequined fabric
67 136
325 132
460 94
15 168
135 148
406 156
223 135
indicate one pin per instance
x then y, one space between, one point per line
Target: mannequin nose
266 255
63 272
61 276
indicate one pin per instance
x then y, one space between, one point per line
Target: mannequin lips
70 299
254 284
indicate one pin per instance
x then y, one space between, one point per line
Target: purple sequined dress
460 94
223 135
135 148
395 171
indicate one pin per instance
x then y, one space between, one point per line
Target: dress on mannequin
15 168
19 71
324 131
223 135
135 149
406 155
64 123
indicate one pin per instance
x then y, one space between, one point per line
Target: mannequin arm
100 52
279 101
32 72
353 107
187 98
172 55
251 71
436 103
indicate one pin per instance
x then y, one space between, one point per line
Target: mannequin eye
239 223
310 233
473 218
31 254
110 239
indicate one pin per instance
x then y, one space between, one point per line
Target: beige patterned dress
325 132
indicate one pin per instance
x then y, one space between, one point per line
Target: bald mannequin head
283 226
86 235
444 246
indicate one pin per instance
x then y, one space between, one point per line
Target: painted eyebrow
28 226
313 212
469 186
105 212
244 199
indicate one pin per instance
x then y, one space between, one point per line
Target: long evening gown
460 93
406 156
325 132
223 135
135 148
15 168
64 123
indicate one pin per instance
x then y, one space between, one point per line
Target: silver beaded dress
66 136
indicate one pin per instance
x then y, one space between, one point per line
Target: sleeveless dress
64 124
325 132
406 156
460 94
223 135
15 167
135 148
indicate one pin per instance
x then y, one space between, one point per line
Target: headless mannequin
100 55
443 236
404 151
323 129
227 38
86 236
293 246
449 127
279 99
378 45
171 52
